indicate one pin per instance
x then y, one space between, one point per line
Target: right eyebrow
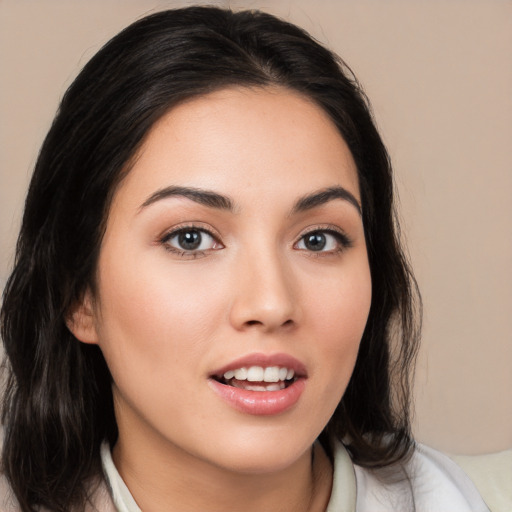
201 196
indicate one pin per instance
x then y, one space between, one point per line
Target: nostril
250 323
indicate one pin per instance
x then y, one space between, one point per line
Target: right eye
190 241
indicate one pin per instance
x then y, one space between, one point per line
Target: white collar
123 500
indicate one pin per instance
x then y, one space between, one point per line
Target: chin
262 454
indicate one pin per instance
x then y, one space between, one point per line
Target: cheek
341 305
339 312
150 315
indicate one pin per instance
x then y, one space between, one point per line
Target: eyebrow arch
204 197
323 196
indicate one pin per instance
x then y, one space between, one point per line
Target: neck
180 482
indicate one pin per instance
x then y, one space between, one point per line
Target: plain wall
439 75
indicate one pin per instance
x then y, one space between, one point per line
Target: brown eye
315 241
190 240
323 240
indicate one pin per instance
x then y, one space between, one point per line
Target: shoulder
438 482
428 482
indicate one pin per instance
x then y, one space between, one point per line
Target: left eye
190 240
320 241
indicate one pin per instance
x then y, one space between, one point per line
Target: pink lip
262 403
264 360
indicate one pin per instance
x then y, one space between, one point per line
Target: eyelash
343 241
341 238
183 253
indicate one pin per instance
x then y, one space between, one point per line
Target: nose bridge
265 294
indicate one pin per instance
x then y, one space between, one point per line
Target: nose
265 293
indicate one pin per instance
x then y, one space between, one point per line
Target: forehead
245 138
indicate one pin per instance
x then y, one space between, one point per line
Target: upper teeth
260 374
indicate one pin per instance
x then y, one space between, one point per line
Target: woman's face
234 255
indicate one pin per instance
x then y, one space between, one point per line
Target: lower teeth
277 386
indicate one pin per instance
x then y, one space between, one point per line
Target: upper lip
264 360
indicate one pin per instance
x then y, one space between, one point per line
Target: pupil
315 241
189 240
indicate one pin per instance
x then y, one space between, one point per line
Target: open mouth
258 378
261 385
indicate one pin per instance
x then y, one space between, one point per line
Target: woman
209 308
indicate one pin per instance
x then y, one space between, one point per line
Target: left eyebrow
323 196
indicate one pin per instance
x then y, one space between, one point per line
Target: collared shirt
431 482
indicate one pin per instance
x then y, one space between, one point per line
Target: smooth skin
168 313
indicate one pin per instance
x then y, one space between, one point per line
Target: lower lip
260 403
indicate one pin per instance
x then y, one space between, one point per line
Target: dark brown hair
58 404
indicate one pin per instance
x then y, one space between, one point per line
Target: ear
81 320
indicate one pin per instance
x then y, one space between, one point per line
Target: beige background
439 74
